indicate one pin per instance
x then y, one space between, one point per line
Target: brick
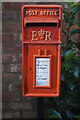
0 105
9 15
19 47
0 6
0 91
0 68
9 78
12 68
20 37
64 39
17 106
9 47
78 15
0 26
20 57
74 26
15 68
11 114
1 114
0 80
73 37
78 52
20 16
12 27
25 99
4 87
13 5
64 24
0 37
77 37
11 87
20 77
10 97
15 87
62 15
0 57
7 58
9 37
66 6
0 47
30 114
1 96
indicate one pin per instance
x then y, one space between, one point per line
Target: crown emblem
41 33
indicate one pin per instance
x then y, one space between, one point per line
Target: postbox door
33 50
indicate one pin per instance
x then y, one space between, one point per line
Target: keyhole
30 68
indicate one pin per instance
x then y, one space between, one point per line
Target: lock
41 50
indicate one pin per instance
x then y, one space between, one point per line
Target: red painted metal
41 38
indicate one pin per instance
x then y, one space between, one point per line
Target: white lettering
42 13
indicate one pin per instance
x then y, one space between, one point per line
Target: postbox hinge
59 25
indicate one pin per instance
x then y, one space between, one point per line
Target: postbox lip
43 6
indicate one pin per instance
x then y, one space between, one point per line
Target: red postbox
41 50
